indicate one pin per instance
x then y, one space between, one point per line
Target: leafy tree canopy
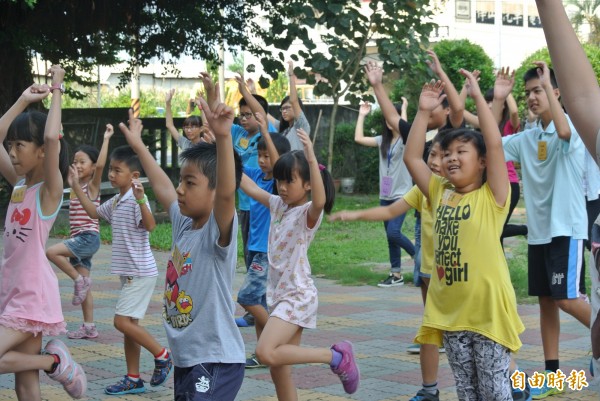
453 55
81 34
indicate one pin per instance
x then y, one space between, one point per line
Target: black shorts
555 269
208 381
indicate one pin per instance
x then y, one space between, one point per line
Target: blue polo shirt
552 188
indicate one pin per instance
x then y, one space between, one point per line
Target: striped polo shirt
131 253
79 220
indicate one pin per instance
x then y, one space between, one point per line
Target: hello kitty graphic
18 219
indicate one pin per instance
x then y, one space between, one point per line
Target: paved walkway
380 322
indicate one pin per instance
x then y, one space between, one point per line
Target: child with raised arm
252 295
552 164
428 353
132 260
292 115
74 256
291 292
207 347
194 128
29 295
581 97
471 305
394 182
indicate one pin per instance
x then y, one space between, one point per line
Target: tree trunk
15 70
332 134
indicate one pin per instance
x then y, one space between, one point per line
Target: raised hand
220 118
133 131
434 64
251 85
262 122
374 73
57 73
544 74
365 109
212 94
239 78
206 134
471 84
505 81
290 70
431 95
109 131
36 93
309 151
138 188
169 95
73 177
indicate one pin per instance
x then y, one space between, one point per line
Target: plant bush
353 160
453 55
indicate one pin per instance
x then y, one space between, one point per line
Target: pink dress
291 292
29 293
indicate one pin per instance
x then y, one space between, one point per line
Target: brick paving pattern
380 322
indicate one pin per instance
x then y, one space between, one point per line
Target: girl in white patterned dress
291 293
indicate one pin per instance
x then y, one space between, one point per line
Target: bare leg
59 255
577 308
137 335
275 346
132 355
282 375
27 384
550 327
260 317
87 307
14 361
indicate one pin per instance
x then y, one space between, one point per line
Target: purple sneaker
68 372
347 370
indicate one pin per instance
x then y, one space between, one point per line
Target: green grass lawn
355 253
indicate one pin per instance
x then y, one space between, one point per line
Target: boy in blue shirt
552 157
252 296
206 345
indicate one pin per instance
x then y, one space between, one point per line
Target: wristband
142 201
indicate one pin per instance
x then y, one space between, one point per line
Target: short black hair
204 156
192 121
125 154
463 135
281 143
89 150
533 74
263 102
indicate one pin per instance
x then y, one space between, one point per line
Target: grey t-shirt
291 134
198 308
183 142
394 178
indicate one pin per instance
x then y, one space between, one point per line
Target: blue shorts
208 382
83 245
254 289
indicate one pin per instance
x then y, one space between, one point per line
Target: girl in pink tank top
29 294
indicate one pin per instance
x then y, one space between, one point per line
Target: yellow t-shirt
470 288
418 201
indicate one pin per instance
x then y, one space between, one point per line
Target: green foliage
453 55
152 101
592 52
354 160
397 27
278 88
586 13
